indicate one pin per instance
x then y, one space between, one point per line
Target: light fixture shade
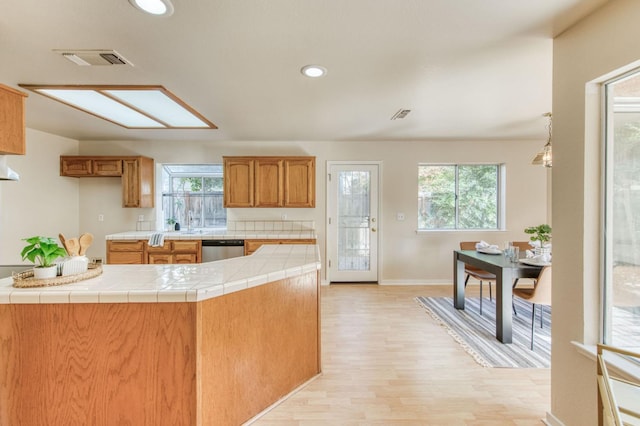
154 7
544 157
133 107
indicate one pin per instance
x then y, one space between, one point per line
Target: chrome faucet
189 220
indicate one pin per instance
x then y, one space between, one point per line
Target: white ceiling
468 69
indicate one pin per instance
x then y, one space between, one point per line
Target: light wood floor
386 362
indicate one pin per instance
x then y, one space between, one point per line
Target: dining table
505 270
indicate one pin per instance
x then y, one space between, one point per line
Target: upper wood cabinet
12 121
137 182
300 182
238 182
269 181
76 166
137 175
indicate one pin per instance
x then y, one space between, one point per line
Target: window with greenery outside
193 191
458 196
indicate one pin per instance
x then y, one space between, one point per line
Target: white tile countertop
174 283
237 230
215 234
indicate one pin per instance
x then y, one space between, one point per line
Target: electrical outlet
140 218
284 216
400 216
100 218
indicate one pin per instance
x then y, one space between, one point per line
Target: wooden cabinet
252 245
137 182
138 252
137 175
299 182
75 166
269 181
269 191
126 252
238 182
12 121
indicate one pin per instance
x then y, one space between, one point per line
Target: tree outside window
458 196
192 195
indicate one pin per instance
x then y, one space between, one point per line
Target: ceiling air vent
94 57
402 113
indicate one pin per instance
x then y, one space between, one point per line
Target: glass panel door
353 223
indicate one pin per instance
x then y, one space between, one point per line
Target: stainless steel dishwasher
221 249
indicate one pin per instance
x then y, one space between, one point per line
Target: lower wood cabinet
178 251
126 252
252 245
138 252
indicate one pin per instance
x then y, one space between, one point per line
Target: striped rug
476 333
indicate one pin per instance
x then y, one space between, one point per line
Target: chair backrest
469 245
524 245
542 290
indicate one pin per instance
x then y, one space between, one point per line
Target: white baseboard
405 282
552 420
416 282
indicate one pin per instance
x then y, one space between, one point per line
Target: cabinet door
299 182
110 167
159 259
12 122
75 166
238 182
269 182
185 258
125 252
137 182
251 246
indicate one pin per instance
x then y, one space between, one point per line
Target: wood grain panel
300 182
12 121
93 364
268 182
268 339
217 362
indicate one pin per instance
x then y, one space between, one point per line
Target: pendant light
544 157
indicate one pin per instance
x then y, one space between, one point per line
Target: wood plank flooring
386 362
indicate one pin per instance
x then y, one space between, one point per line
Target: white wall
603 42
41 202
407 257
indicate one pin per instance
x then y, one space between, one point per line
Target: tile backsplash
270 225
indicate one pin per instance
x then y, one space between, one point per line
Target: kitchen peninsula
197 344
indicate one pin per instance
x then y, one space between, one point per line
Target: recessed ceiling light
154 7
313 71
133 107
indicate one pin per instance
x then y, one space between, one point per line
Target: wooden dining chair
477 273
540 294
524 246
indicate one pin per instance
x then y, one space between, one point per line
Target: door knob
373 229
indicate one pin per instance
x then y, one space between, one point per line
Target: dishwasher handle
222 243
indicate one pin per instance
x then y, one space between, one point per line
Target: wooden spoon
85 241
64 243
73 246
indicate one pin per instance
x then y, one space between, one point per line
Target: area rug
476 333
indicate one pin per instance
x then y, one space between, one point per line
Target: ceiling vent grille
94 57
402 113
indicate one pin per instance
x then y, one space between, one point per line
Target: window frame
175 194
500 195
606 325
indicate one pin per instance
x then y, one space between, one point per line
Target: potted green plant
541 233
171 223
42 252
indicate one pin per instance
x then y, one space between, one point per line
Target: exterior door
352 222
